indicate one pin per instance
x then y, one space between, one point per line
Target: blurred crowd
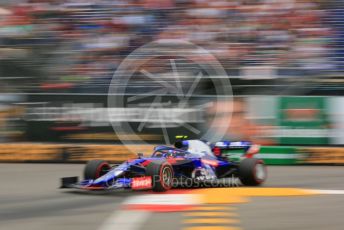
60 43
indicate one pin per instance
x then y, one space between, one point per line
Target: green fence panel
272 155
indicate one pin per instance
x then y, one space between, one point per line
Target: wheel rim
260 172
166 176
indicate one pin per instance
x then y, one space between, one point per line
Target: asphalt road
30 199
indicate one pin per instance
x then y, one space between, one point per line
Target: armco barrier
29 152
111 153
75 153
330 155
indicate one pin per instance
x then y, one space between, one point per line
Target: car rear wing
233 145
249 149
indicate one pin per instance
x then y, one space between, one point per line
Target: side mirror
139 155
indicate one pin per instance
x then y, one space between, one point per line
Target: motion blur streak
125 220
283 61
40 204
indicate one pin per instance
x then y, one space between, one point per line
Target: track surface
29 199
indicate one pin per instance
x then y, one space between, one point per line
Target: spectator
58 37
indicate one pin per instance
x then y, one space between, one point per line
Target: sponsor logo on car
139 183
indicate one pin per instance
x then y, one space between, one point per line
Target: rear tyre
95 169
252 172
162 175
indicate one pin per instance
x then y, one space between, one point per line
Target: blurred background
80 77
284 60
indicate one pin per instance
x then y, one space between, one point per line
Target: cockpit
163 153
190 148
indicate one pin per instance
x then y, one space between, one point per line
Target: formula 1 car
195 162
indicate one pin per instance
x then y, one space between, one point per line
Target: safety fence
67 153
80 153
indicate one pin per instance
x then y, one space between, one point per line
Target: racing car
194 161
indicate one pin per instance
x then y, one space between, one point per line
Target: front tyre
95 169
252 172
162 175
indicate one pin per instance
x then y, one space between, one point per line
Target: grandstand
75 46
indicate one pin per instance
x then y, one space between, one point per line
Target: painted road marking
210 221
204 206
213 216
212 208
125 220
164 199
211 228
210 214
162 202
238 195
330 192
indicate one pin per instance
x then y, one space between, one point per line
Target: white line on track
125 220
163 199
134 219
331 192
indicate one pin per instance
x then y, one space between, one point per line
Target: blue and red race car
189 163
